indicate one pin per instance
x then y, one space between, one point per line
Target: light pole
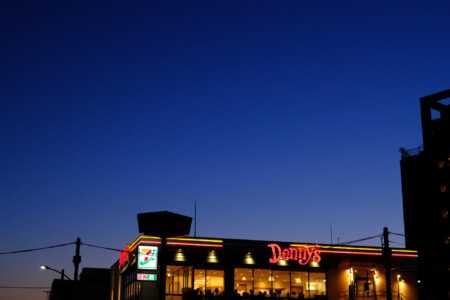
44 267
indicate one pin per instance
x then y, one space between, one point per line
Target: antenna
195 219
331 232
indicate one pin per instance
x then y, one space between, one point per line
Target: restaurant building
188 268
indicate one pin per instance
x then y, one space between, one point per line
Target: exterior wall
115 282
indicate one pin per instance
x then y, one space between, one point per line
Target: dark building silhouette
425 175
93 284
64 290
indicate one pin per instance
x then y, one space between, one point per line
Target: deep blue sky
277 117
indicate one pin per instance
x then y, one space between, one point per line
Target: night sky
277 117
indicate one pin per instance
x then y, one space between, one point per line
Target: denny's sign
303 255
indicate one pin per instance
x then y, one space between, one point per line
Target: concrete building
425 175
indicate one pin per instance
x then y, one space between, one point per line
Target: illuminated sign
146 277
123 258
147 257
301 254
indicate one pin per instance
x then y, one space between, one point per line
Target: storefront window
317 285
209 282
200 281
214 282
178 279
243 281
299 285
281 283
263 282
174 279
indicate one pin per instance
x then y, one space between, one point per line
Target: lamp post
44 267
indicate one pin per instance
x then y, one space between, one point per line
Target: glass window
188 279
299 285
281 283
174 279
178 279
263 282
200 281
214 282
317 284
243 281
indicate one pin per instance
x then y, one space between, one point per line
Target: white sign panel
148 257
146 277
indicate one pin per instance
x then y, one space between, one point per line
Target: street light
44 267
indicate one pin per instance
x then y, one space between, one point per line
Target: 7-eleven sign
147 257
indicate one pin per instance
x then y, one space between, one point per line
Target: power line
25 287
36 249
396 243
101 247
397 233
360 240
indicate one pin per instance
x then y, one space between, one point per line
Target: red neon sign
123 258
301 254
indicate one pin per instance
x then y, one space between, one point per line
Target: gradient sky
277 117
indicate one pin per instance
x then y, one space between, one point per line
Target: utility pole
77 259
163 267
387 263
